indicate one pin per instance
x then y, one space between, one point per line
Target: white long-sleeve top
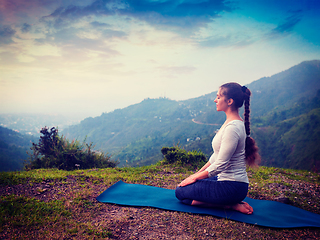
228 160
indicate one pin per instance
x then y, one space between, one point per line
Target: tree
53 151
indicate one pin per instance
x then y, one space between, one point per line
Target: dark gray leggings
210 190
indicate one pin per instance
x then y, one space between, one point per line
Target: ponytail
251 149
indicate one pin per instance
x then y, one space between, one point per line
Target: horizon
91 57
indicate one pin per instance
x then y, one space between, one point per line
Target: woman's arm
205 166
193 178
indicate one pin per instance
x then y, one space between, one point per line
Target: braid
247 111
251 149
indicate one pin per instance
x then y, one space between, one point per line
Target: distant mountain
136 133
13 149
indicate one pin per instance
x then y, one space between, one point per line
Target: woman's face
221 101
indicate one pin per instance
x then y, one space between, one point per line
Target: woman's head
235 92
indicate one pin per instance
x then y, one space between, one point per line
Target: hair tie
244 89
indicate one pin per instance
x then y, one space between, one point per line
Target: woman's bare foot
199 203
243 207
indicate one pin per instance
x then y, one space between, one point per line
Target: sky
86 57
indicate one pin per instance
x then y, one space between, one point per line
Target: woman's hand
193 178
189 180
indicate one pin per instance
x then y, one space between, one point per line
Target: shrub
177 156
54 151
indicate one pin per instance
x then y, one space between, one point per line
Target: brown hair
241 94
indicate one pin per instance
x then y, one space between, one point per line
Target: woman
223 181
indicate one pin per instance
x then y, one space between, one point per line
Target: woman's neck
232 115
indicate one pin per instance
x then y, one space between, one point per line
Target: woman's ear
230 102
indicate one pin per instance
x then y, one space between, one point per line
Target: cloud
20 11
99 24
177 8
6 34
20 5
287 26
216 41
63 16
237 40
26 28
177 13
79 44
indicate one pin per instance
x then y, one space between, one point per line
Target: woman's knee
179 193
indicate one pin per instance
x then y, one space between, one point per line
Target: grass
29 213
34 176
55 204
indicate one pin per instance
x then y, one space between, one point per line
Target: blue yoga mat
266 213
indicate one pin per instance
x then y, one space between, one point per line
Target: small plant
54 151
177 156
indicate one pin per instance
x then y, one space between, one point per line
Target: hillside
13 149
54 204
285 89
292 143
135 135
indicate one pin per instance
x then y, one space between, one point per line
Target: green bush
177 156
54 151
